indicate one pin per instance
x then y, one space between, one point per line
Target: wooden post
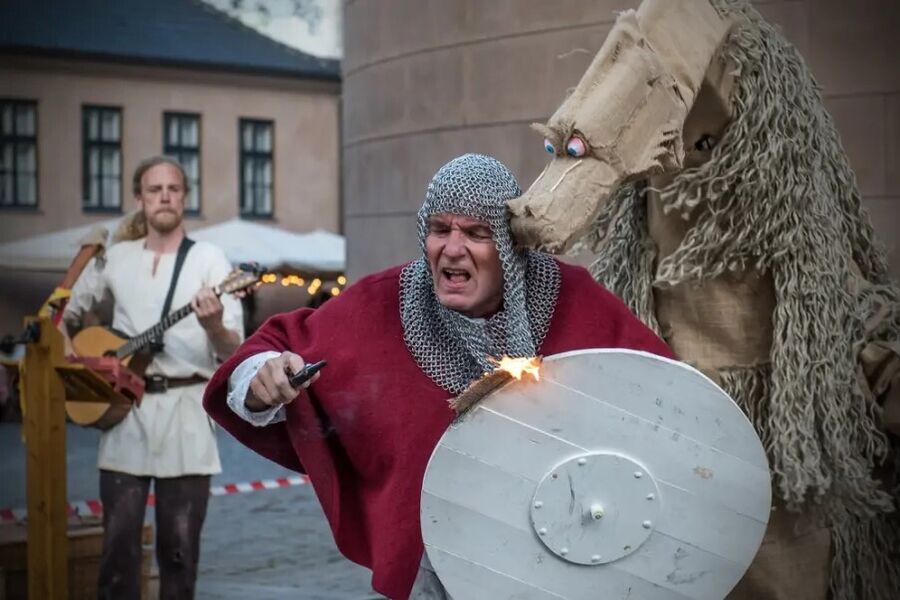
45 440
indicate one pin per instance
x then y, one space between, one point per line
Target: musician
168 438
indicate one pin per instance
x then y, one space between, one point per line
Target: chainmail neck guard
452 349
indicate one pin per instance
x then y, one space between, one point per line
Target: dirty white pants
427 586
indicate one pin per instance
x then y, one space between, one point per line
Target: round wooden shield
619 475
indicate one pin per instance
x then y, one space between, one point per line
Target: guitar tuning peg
252 267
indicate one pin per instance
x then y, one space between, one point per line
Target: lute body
102 341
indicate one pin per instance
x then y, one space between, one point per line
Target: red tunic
365 430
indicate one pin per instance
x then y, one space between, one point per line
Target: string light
292 280
295 280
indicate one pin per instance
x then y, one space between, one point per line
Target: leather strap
186 243
155 384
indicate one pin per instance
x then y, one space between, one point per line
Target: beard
164 221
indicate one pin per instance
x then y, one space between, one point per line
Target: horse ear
545 131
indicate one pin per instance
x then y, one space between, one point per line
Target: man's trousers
180 510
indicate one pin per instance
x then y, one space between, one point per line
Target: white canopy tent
277 249
48 252
242 241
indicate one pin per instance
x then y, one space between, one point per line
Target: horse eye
549 147
576 147
705 143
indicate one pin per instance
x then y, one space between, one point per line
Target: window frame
175 151
86 145
255 154
15 139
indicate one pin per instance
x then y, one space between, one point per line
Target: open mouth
456 277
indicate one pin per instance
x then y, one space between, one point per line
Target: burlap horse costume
696 158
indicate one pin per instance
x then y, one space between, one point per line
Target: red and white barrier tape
95 508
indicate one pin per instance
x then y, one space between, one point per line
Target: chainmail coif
452 349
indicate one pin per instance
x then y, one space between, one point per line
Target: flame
519 367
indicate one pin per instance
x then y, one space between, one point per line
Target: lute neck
145 338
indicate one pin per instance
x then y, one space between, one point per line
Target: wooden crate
85 550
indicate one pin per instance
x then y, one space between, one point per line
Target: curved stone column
427 80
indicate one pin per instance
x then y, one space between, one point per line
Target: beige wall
306 116
425 80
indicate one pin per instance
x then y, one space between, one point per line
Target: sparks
519 367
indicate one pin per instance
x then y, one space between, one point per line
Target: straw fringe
627 254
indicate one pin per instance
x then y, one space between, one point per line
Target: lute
136 352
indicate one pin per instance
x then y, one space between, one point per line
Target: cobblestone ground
269 544
275 544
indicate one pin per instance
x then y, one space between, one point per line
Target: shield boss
619 475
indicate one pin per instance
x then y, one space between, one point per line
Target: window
256 167
102 158
18 153
181 141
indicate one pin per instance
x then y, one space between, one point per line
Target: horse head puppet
696 159
630 116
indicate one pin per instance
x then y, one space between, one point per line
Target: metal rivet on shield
647 524
563 551
595 558
582 462
538 504
651 496
638 474
542 531
596 512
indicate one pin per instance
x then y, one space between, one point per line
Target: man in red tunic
399 345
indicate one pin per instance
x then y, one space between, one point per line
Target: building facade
426 81
73 131
89 89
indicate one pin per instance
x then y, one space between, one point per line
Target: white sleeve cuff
239 383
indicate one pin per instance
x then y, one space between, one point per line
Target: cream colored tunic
169 435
